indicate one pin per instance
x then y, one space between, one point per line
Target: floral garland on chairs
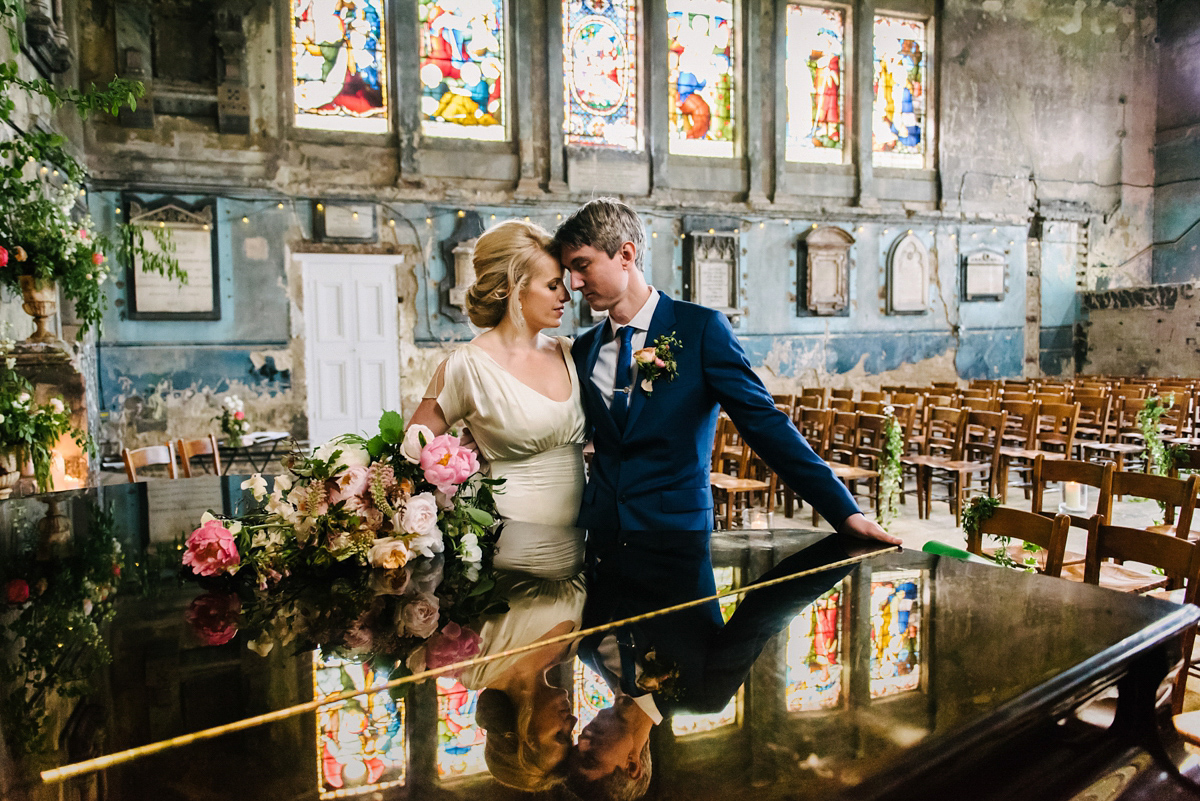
979 509
377 548
1160 458
891 471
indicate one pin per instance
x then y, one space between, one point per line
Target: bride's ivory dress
536 445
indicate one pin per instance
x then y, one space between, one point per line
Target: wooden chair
944 430
1175 556
869 407
729 492
868 395
848 394
841 404
813 424
841 454
821 394
1053 434
784 403
869 438
1123 437
1093 417
189 448
727 447
977 453
145 457
1048 533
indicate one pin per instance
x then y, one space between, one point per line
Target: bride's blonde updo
504 258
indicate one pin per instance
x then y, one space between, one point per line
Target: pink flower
447 463
16 591
353 483
3 257
97 258
211 549
214 617
419 617
659 363
83 234
239 415
453 643
644 355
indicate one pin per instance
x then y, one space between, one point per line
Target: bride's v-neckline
566 358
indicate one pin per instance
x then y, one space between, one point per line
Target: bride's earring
521 324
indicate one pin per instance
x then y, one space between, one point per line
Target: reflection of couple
531 402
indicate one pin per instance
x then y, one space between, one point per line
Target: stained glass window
361 739
895 632
340 67
814 655
460 740
600 73
726 578
462 69
700 54
591 695
898 126
815 72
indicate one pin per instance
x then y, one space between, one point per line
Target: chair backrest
1175 555
1045 532
985 394
981 404
944 428
205 446
784 403
726 446
1022 418
814 425
869 407
1123 420
1091 474
145 457
950 385
869 438
840 442
841 404
1186 458
848 394
1130 391
1093 415
1056 427
906 398
820 394
1177 495
1016 395
870 395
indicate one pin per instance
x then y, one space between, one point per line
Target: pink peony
453 643
447 463
211 550
214 617
3 257
16 591
353 483
419 617
97 258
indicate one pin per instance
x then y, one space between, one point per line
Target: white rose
351 455
388 553
419 515
57 405
427 544
23 398
410 449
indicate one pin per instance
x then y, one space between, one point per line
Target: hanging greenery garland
890 469
1160 458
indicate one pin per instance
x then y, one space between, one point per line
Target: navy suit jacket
654 473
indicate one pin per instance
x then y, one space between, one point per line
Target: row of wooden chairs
138 458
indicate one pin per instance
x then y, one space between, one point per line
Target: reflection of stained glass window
815 120
462 69
460 741
361 740
700 48
600 66
340 66
726 578
898 124
895 632
814 655
591 694
683 723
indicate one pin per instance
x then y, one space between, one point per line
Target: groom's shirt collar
641 320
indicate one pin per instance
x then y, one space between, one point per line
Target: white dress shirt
605 371
610 660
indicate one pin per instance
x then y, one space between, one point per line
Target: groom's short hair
604 223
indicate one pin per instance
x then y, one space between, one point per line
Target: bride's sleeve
447 389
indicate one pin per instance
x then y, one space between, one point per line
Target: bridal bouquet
378 546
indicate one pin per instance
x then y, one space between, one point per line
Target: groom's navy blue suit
653 474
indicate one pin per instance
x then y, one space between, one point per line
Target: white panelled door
352 352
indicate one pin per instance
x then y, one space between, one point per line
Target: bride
517 392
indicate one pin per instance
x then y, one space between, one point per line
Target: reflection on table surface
906 661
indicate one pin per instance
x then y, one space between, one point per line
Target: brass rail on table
100 763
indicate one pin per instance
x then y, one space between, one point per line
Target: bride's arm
428 413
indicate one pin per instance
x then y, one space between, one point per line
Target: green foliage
890 471
979 509
391 428
1160 457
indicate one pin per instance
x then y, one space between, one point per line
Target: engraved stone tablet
984 276
908 276
828 270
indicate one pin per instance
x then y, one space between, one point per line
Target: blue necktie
620 401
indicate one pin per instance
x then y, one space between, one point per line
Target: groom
653 436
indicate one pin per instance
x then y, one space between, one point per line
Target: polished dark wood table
916 676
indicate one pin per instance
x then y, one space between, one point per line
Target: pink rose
659 363
239 415
447 463
16 591
3 257
419 617
214 617
353 483
97 258
644 355
83 234
359 636
211 550
453 643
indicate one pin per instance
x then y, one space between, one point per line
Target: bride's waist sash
558 468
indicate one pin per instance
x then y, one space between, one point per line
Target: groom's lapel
660 324
602 415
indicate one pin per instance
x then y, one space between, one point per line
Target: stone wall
1043 135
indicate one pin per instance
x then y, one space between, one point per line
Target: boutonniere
658 361
659 677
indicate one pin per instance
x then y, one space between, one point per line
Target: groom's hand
859 526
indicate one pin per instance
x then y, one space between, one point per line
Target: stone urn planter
41 301
10 473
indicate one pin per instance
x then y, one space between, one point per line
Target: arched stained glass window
898 126
591 695
895 632
814 654
463 69
600 80
360 741
700 67
460 740
339 65
815 71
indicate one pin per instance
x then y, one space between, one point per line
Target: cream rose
352 455
388 553
420 514
418 617
412 446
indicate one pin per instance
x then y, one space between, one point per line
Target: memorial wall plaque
909 263
193 232
345 222
715 270
983 275
827 267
